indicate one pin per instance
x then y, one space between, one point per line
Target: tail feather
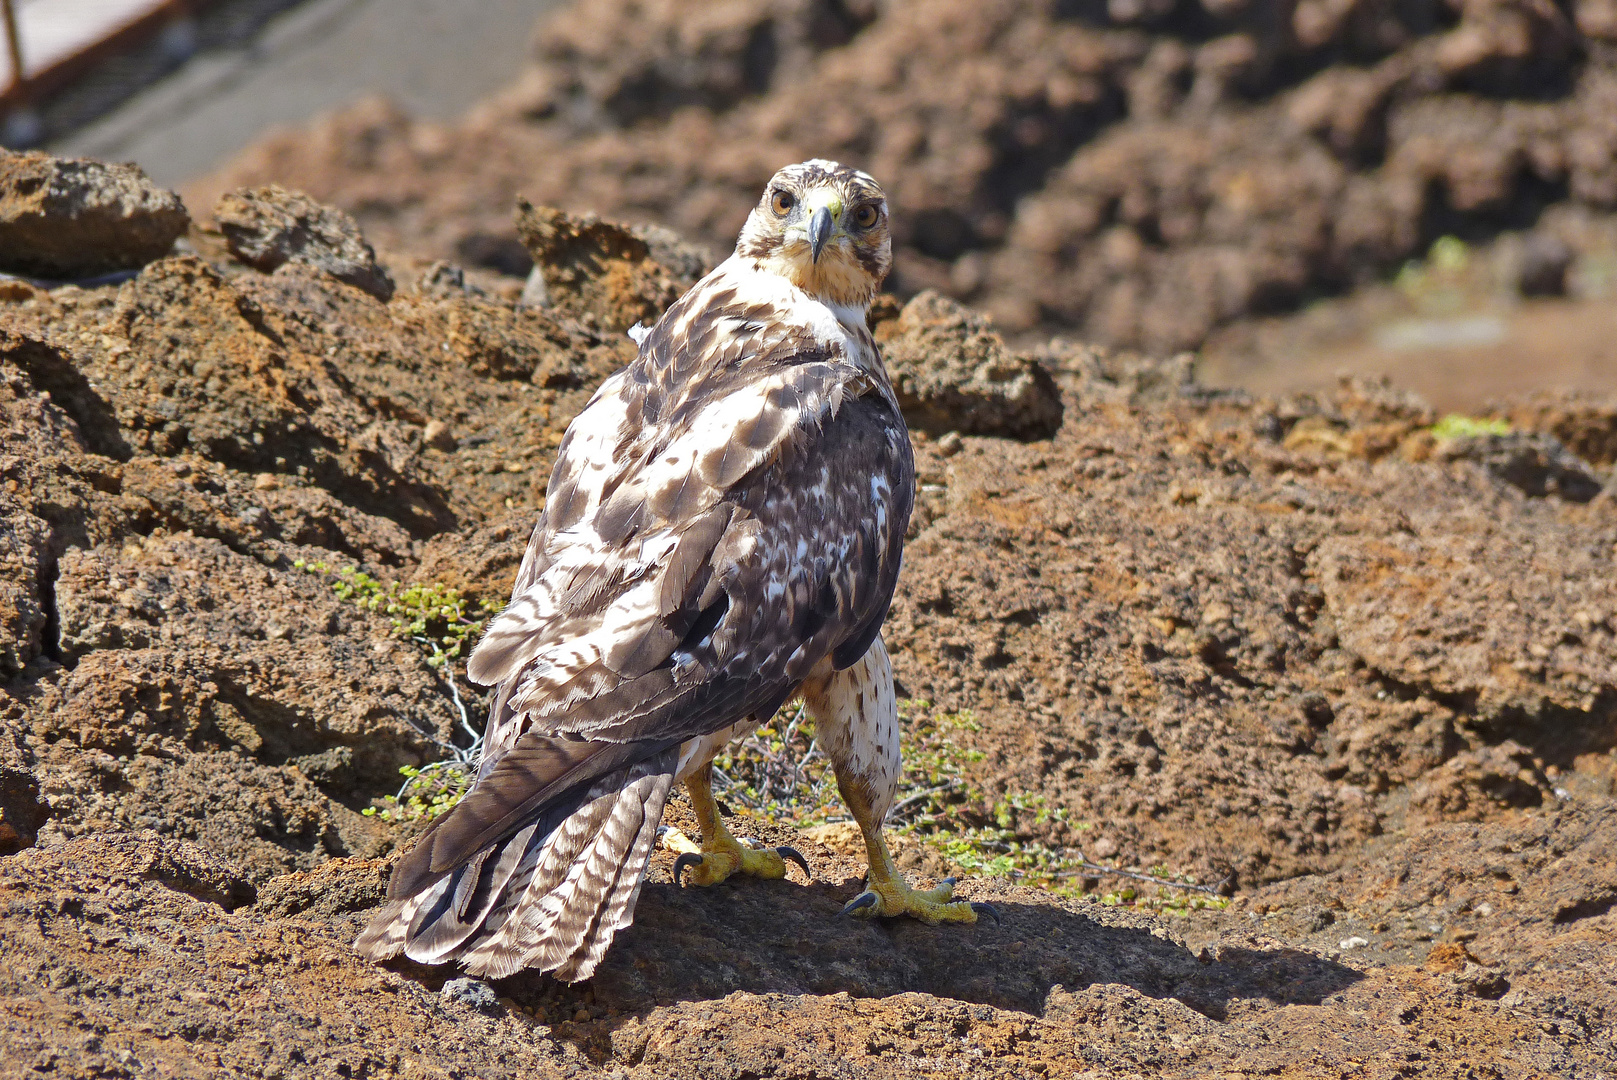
533 781
550 896
527 912
462 901
574 910
617 911
499 927
388 932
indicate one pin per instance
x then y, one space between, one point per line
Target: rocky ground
1352 671
1142 171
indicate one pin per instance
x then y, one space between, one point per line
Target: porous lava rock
1585 423
951 372
1143 172
1363 696
267 227
73 218
1536 463
615 274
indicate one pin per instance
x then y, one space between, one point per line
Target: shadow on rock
781 937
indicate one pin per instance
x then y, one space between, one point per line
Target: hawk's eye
865 216
783 202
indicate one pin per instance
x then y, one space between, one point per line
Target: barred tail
550 896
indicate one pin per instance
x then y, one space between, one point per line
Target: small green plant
442 622
1438 284
433 616
1455 426
780 773
427 792
1449 255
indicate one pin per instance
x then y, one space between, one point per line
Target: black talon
690 858
985 909
949 881
797 857
863 900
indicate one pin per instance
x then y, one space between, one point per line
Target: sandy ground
1487 356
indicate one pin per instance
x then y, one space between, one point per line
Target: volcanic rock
267 227
70 218
614 274
1142 172
1308 740
1537 464
951 372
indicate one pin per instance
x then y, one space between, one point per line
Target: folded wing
712 532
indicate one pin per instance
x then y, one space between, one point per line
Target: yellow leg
887 893
721 854
856 716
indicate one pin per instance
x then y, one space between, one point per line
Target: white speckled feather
725 519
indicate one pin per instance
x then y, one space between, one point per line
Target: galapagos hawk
722 532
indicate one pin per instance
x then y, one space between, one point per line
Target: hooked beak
819 231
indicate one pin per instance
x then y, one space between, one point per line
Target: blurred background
1289 188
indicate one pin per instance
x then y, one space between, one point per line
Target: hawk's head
823 227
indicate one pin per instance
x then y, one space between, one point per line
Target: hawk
722 532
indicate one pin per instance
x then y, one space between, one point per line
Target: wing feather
725 514
538 771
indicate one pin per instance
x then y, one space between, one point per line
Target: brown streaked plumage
725 521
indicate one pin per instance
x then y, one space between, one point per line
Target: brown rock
72 218
1476 784
1538 465
1586 424
1370 696
22 811
1128 987
612 273
267 227
1501 43
953 373
733 50
1597 18
24 555
481 562
1143 173
1415 608
108 558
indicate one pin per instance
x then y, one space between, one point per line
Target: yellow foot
931 906
726 855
